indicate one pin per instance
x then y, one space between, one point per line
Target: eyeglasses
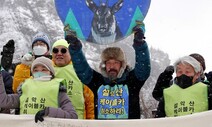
56 50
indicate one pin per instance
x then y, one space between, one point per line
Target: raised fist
138 33
209 76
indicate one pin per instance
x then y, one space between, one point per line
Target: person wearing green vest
42 94
187 94
116 85
75 88
165 79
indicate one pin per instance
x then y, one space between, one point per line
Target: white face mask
39 50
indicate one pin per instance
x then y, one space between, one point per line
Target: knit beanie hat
200 59
45 62
113 53
190 60
61 42
41 36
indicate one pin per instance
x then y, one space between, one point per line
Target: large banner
203 119
102 21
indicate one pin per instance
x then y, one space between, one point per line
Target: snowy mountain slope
21 20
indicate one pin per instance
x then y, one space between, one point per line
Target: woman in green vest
187 95
42 95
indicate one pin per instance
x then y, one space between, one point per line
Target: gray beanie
41 36
45 62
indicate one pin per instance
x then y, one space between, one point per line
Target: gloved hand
163 82
71 38
169 69
27 59
7 54
166 76
209 76
138 33
10 45
39 116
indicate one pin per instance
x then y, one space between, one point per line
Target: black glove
138 33
166 76
8 48
209 76
163 82
7 54
39 116
71 38
169 69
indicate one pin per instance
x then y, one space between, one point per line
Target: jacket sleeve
9 101
142 57
89 103
81 66
8 80
65 110
161 109
209 97
22 72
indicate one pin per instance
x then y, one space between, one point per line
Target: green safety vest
179 102
74 87
36 95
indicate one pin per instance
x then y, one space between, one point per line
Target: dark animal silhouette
104 28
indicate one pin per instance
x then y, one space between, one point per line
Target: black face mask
184 81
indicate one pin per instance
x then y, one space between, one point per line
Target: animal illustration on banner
102 21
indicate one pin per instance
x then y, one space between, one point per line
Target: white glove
27 59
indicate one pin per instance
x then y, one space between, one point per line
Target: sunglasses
56 50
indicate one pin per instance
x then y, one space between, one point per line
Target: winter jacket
131 80
7 79
161 111
89 103
65 109
22 72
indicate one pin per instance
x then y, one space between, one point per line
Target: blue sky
181 27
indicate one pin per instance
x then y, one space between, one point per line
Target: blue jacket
134 79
